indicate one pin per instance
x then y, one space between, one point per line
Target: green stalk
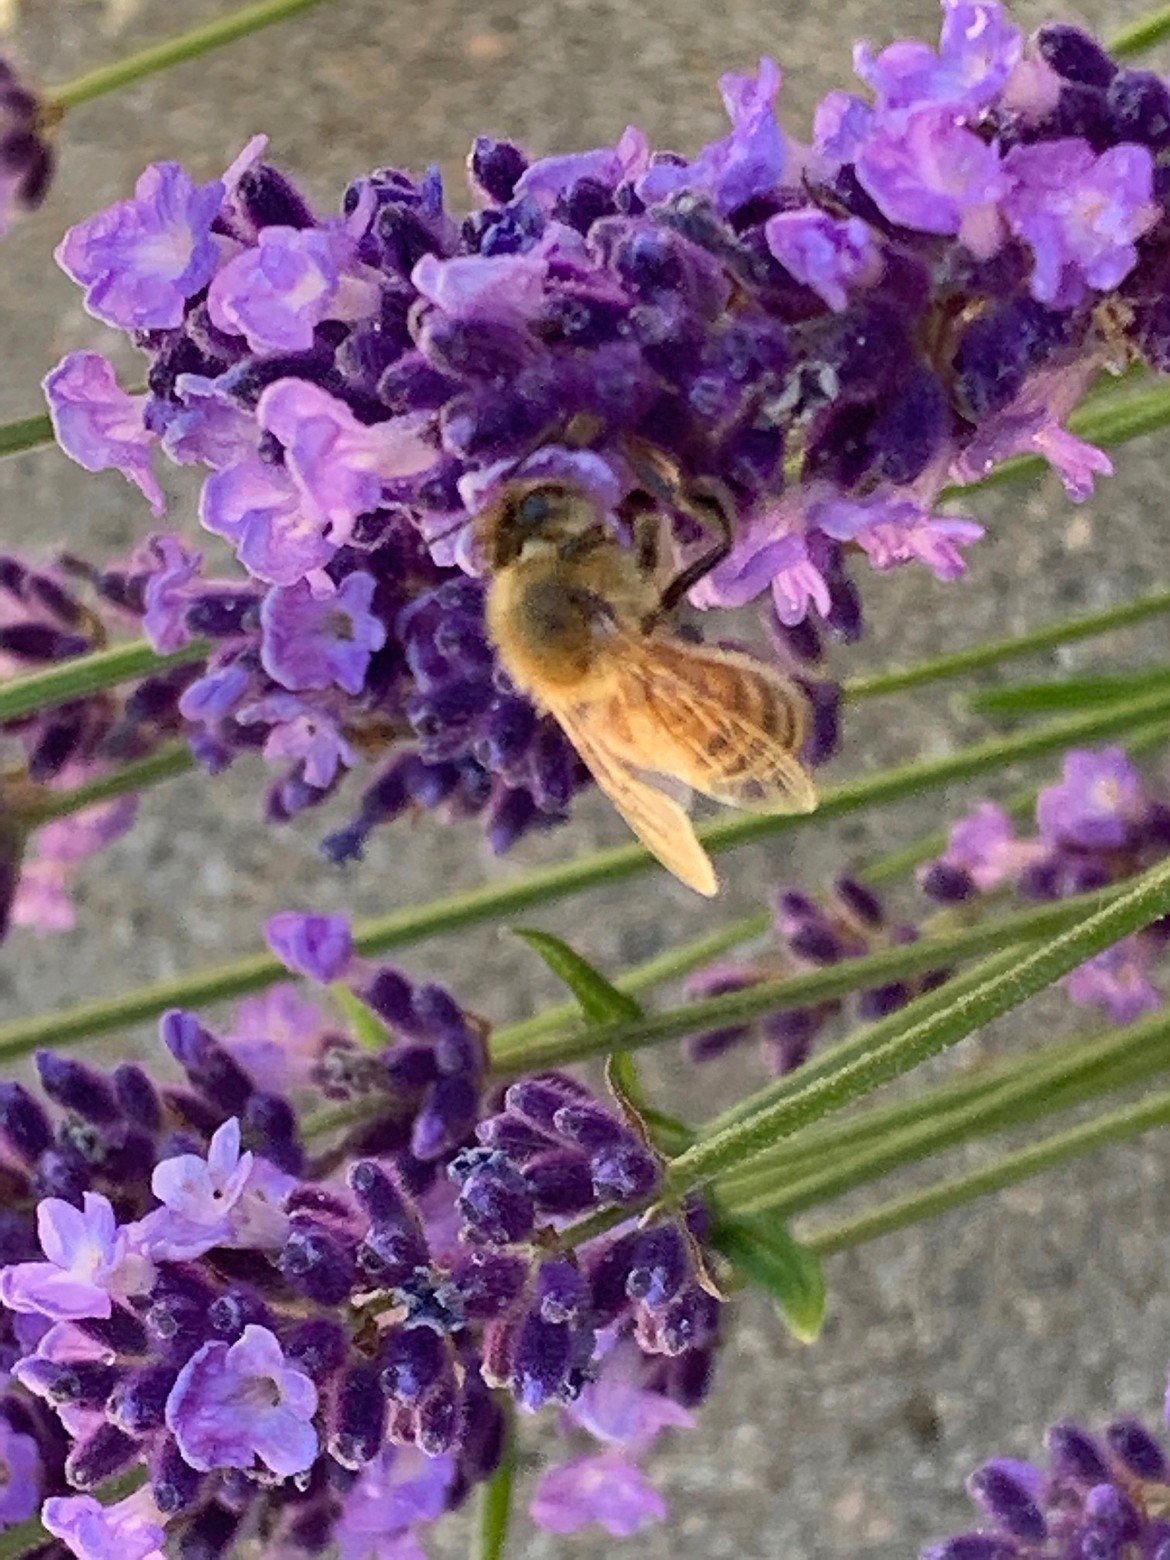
1060 1083
1141 35
25 434
172 51
805 989
163 765
493 1513
912 1208
980 656
924 1028
403 927
66 681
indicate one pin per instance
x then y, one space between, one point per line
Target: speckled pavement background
943 1345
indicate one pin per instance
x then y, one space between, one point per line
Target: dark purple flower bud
1011 1494
659 1265
106 1452
318 1347
590 1127
973 1546
561 1182
539 1099
562 1294
236 1308
413 1359
361 1418
607 1271
83 1383
488 1283
391 996
485 1427
626 1173
316 1263
446 1118
176 1486
880 1001
1134 1446
541 1362
137 1097
270 1125
497 1204
496 167
62 1174
77 1088
512 1136
39 642
137 1404
1140 104
390 1253
270 200
1075 1455
860 901
946 884
1074 55
121 1332
24 1122
411 1069
438 1421
209 1533
689 1321
212 1070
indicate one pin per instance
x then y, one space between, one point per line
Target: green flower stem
494 1499
25 434
802 990
163 765
1008 1170
234 25
1141 35
924 1028
979 656
69 1026
1066 1080
24 1538
65 681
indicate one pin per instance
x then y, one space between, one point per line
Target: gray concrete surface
943 1345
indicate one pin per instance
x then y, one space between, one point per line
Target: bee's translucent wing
721 722
658 820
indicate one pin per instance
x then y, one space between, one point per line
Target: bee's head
536 513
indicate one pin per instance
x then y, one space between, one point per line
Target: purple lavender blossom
235 1403
319 946
99 425
90 1263
317 641
228 1199
605 1489
42 900
276 294
130 1529
977 55
828 254
400 1490
1117 981
1098 803
140 261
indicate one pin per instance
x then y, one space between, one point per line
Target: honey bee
582 626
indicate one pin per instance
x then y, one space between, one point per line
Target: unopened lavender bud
1010 1492
106 1452
413 1359
24 1122
77 1088
360 1418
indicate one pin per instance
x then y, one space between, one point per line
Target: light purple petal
926 170
605 1489
829 254
142 259
99 425
548 177
167 595
1116 980
319 946
315 642
276 293
208 428
258 507
978 53
130 1529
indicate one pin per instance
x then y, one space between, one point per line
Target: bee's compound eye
534 509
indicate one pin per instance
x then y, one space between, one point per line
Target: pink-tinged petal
277 292
130 1529
258 507
606 1490
99 425
829 254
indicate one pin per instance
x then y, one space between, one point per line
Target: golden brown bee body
575 618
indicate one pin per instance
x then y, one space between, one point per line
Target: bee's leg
709 503
640 514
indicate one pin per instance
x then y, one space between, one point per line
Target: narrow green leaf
926 1027
25 434
1141 35
600 1000
762 1250
65 681
1071 693
364 1024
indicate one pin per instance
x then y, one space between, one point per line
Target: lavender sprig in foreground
320 1349
834 331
